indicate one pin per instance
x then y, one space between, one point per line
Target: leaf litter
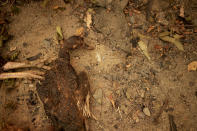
146 111
174 40
144 49
192 66
59 33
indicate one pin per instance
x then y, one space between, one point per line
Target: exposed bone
35 72
27 74
14 65
17 65
43 67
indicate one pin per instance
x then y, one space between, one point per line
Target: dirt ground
130 91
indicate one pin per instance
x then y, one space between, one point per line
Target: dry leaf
188 33
136 32
129 65
176 42
165 33
136 11
144 48
176 36
55 7
158 47
59 8
192 66
80 31
45 2
13 48
150 28
59 32
146 111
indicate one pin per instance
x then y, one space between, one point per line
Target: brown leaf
192 66
158 47
55 7
136 11
59 32
59 8
144 49
176 42
150 28
80 31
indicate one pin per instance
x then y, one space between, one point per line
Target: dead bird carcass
64 93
